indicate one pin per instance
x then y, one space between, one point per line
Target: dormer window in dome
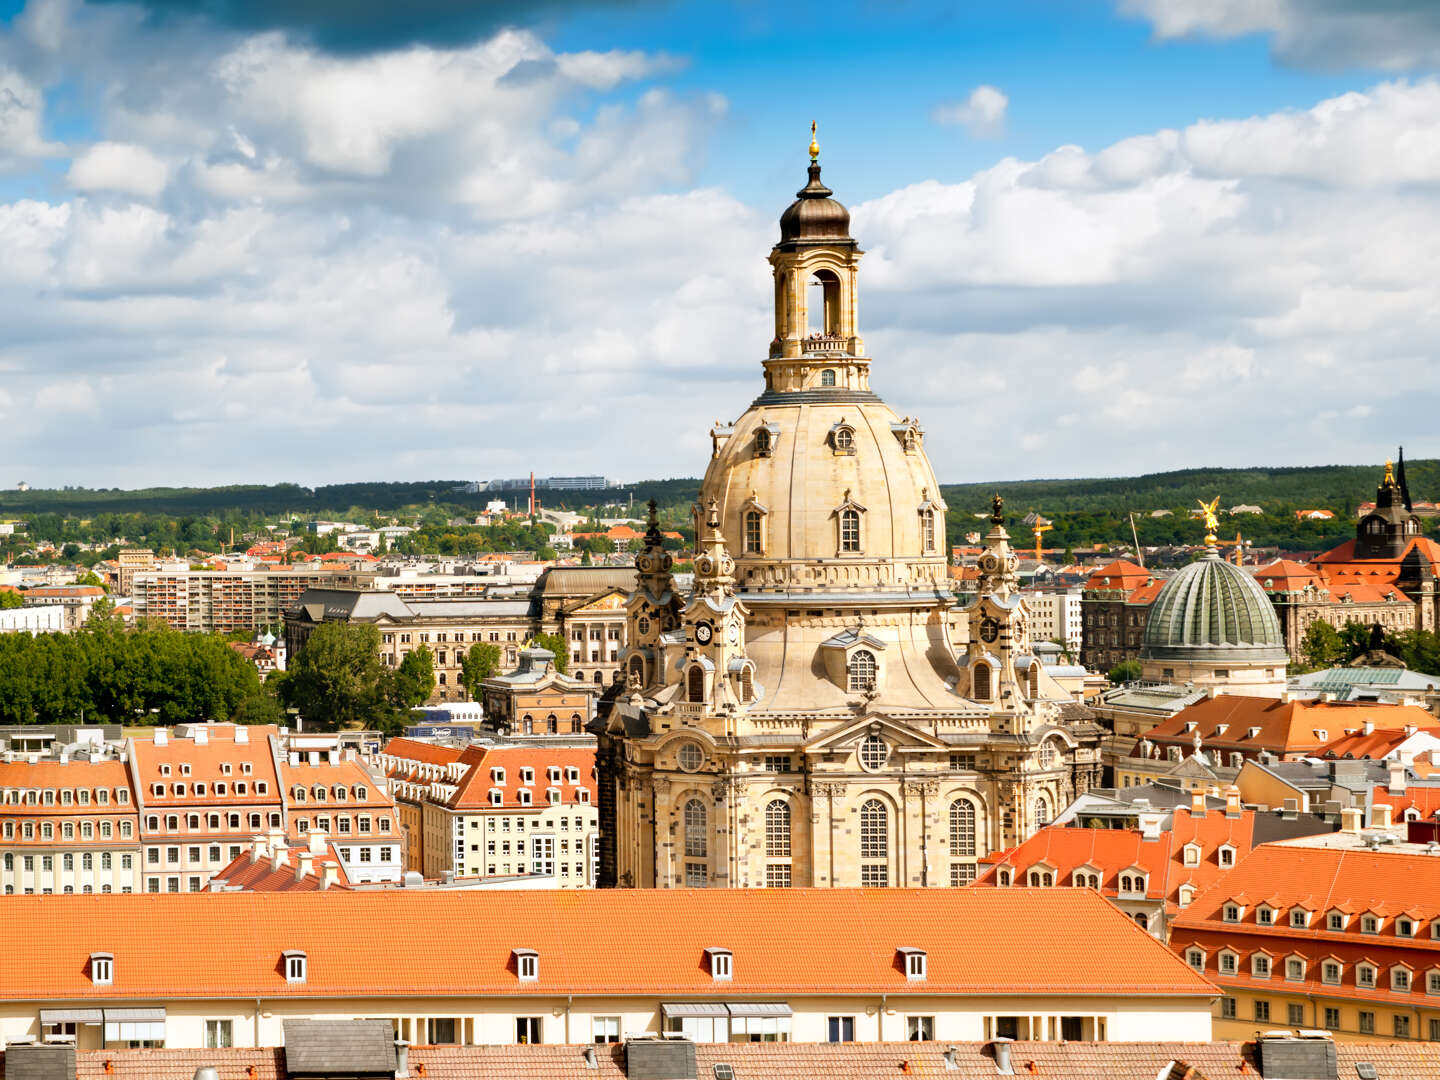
842 438
753 516
849 537
909 435
766 438
862 671
929 530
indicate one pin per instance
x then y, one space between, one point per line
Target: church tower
802 718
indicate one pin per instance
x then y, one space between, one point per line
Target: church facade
801 717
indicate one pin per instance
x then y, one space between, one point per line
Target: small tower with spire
816 248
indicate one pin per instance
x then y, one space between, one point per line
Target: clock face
989 628
732 634
704 632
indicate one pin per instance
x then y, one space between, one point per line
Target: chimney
402 1059
1397 777
304 865
1380 815
278 858
1291 809
259 849
201 735
1150 824
1350 820
1197 804
317 842
329 875
242 734
1232 801
294 757
162 737
1369 727
1002 1057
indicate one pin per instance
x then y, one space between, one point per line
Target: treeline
1323 647
105 674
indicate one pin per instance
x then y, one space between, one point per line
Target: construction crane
1041 527
1239 544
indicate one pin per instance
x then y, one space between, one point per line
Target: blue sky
262 240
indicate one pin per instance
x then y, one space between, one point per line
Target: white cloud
1396 35
121 167
982 114
22 110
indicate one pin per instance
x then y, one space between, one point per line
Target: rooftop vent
1283 1056
660 1059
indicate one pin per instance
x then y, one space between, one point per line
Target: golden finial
814 144
1389 472
1212 521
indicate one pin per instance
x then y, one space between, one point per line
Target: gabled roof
1285 727
1015 942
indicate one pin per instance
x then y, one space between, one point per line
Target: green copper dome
1213 612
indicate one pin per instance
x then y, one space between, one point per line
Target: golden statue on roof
1209 511
814 144
1389 473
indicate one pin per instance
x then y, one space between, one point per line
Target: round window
691 756
873 752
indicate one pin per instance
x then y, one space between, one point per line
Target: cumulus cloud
982 114
1394 35
22 108
121 167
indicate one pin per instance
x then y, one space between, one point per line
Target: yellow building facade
802 718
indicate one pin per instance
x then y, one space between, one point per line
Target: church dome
1212 611
814 215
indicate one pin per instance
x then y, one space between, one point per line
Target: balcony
824 345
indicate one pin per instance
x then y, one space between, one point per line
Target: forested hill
1336 487
1084 511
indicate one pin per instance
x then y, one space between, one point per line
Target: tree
1125 671
414 680
481 662
11 599
91 578
1321 646
556 644
336 679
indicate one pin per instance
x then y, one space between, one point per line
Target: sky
255 241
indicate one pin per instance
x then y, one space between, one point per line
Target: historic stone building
801 717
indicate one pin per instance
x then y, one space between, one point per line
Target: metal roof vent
1285 1057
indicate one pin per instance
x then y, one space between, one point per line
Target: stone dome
1213 612
814 215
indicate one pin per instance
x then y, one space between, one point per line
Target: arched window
637 670
777 829
695 683
874 844
981 681
873 752
849 530
747 684
827 377
763 442
927 530
862 671
962 827
1042 812
599 678
696 830
753 536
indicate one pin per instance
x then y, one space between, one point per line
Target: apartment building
1338 932
67 827
409 767
1056 615
499 810
341 802
224 601
203 791
717 966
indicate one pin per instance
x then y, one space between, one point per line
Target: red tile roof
978 941
415 750
473 791
1424 799
1120 574
206 762
262 875
1374 745
1288 728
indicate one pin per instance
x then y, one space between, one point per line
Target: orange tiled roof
1413 1060
1375 745
261 875
350 774
62 591
1426 800
1285 575
1285 728
206 763
473 791
1121 574
1320 879
978 942
415 750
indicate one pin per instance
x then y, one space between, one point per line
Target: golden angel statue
1210 512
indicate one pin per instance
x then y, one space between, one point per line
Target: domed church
801 718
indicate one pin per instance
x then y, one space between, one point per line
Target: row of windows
213 821
1295 1016
86 830
1335 921
62 796
459 637
343 824
181 790
226 768
87 861
318 792
1332 972
848 531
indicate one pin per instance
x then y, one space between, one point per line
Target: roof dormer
296 965
721 963
102 969
913 961
527 965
